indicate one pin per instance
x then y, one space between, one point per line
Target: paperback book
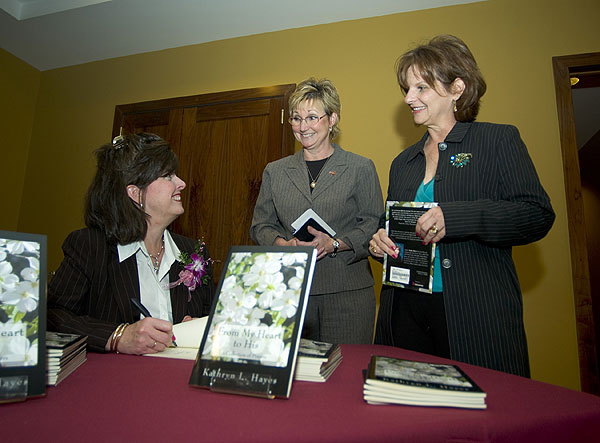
66 352
312 219
251 340
317 360
413 268
22 315
396 381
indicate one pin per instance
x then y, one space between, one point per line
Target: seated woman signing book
126 253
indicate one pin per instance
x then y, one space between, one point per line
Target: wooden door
563 67
224 141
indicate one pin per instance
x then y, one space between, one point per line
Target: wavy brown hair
133 159
444 59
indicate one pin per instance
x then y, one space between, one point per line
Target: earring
141 205
455 108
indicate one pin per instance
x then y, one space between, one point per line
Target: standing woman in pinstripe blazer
490 199
127 253
343 188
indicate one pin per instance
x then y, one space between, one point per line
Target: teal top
425 194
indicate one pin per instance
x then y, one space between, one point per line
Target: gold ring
434 229
154 345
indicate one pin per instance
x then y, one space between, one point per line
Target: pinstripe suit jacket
347 197
491 204
91 291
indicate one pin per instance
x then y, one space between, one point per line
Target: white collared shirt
154 292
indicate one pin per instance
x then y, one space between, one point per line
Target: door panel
223 141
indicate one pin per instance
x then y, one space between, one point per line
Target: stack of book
66 352
317 360
406 382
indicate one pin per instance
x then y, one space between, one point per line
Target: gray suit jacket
347 196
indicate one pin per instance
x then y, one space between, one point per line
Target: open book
188 336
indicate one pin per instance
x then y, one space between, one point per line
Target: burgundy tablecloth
120 397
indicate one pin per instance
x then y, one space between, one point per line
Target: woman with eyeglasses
343 189
120 282
489 200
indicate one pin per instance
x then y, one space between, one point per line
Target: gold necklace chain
313 181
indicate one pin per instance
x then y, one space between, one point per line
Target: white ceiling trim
24 9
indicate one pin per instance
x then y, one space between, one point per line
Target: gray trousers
341 317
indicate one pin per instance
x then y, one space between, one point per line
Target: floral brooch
460 160
195 272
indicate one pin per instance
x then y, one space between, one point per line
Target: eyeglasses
310 120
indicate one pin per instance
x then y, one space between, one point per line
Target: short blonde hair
320 91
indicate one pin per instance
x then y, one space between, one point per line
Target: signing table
127 398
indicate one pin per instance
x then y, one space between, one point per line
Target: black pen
144 311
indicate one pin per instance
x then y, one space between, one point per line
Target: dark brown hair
133 159
444 59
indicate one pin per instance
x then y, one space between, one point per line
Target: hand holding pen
159 325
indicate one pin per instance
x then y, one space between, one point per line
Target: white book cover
251 341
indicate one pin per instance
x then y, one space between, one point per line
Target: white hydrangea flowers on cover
255 315
19 301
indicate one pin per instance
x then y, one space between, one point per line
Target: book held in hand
312 219
413 268
65 353
317 360
251 340
407 382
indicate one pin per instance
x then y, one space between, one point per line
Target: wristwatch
336 245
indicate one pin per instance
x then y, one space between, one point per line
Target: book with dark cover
413 267
65 353
398 381
312 219
22 315
317 360
57 372
59 343
251 340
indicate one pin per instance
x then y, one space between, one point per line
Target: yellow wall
19 84
513 41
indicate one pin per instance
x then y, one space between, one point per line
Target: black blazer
490 204
91 291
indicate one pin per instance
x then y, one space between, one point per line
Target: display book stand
251 340
22 315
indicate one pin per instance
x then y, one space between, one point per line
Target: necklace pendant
312 185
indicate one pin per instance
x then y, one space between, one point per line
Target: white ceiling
50 34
